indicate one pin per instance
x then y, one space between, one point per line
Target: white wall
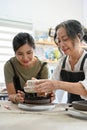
85 12
43 13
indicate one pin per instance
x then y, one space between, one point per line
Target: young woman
22 67
71 71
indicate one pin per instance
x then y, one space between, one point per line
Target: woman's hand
19 97
47 86
52 96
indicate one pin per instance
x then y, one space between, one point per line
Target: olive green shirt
24 73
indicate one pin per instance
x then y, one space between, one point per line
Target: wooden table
55 119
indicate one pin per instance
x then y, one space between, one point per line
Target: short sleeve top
24 73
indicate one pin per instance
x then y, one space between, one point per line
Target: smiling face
67 45
25 55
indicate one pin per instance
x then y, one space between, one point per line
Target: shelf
84 46
50 61
46 43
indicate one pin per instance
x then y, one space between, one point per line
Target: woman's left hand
20 96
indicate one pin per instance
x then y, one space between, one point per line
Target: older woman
71 71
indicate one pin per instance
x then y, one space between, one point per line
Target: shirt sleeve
8 72
84 82
56 72
56 76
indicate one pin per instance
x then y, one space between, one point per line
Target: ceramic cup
30 86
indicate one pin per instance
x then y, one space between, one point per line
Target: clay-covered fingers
43 86
20 96
21 93
52 96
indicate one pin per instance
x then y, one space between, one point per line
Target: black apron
69 76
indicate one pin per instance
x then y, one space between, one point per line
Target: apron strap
82 64
63 65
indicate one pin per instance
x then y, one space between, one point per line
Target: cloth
57 71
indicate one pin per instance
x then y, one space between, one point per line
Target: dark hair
72 27
22 38
85 35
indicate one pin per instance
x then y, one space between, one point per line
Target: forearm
13 96
75 88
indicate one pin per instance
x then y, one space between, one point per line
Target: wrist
15 99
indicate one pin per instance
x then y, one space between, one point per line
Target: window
8 29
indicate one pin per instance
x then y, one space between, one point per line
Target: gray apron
73 77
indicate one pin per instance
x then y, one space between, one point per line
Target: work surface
14 118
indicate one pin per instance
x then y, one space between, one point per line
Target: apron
69 76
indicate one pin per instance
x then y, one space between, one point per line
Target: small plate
30 107
80 105
77 113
